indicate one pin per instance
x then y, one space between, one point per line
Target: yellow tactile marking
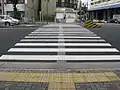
111 76
61 86
58 77
59 81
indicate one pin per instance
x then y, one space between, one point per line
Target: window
19 2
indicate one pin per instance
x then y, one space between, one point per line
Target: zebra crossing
62 42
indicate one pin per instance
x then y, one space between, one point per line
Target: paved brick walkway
63 80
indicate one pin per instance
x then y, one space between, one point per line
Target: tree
16 12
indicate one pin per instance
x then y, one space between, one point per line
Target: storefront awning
105 7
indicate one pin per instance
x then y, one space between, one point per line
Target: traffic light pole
47 1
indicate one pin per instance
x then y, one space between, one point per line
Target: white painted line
60 32
85 40
67 25
92 50
37 40
92 57
63 44
64 34
72 40
45 30
34 40
86 44
53 30
56 57
58 37
33 50
29 57
63 50
37 44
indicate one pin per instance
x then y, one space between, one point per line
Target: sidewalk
25 25
36 24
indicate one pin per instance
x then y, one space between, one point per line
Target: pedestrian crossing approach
62 43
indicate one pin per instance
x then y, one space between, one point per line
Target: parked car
117 17
103 21
8 21
16 21
95 21
99 21
113 21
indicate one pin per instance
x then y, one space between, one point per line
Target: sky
86 0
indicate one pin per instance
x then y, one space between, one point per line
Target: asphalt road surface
59 57
59 46
110 32
10 36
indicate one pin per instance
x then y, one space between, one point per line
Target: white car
16 21
103 21
8 21
95 21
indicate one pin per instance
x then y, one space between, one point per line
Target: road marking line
94 37
29 57
72 40
64 50
56 57
33 50
62 32
92 57
63 44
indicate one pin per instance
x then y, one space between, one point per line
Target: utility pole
33 11
80 9
3 9
5 5
26 9
47 1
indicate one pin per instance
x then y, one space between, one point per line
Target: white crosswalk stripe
64 34
61 32
58 37
63 44
73 40
66 57
64 50
58 42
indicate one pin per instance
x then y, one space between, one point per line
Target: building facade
48 8
66 9
6 7
67 4
104 9
33 8
26 8
55 6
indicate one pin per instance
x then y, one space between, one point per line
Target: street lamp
47 1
